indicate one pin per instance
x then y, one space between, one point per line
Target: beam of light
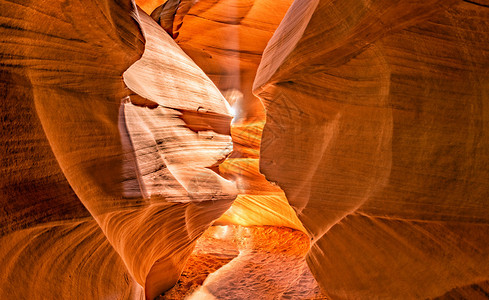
221 232
234 97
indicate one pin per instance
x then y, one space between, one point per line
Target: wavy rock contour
377 132
112 140
226 39
98 179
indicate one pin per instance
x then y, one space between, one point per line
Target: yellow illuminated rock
351 135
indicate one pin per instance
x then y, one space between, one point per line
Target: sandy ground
235 262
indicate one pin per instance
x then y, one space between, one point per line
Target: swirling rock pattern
377 124
113 141
226 39
96 201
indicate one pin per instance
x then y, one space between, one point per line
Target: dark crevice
475 3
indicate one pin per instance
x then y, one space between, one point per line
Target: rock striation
117 134
226 39
106 180
377 124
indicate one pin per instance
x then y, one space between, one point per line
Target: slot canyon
244 149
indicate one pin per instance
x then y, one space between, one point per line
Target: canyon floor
258 262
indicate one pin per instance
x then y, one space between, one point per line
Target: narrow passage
236 262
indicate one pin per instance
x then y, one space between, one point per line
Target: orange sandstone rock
226 39
98 183
113 142
377 132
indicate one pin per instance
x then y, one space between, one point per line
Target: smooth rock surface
103 190
226 39
377 124
115 145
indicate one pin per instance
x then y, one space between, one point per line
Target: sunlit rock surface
149 5
377 131
259 262
103 190
114 146
226 39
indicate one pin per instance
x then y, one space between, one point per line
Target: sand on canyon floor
258 262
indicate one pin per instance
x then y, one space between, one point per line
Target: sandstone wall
103 191
377 131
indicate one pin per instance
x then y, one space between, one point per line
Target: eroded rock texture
226 39
113 141
104 186
258 262
377 131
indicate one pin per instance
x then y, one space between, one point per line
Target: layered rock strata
105 185
226 39
112 140
377 124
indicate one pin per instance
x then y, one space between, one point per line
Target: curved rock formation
113 141
51 247
226 39
98 178
377 132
